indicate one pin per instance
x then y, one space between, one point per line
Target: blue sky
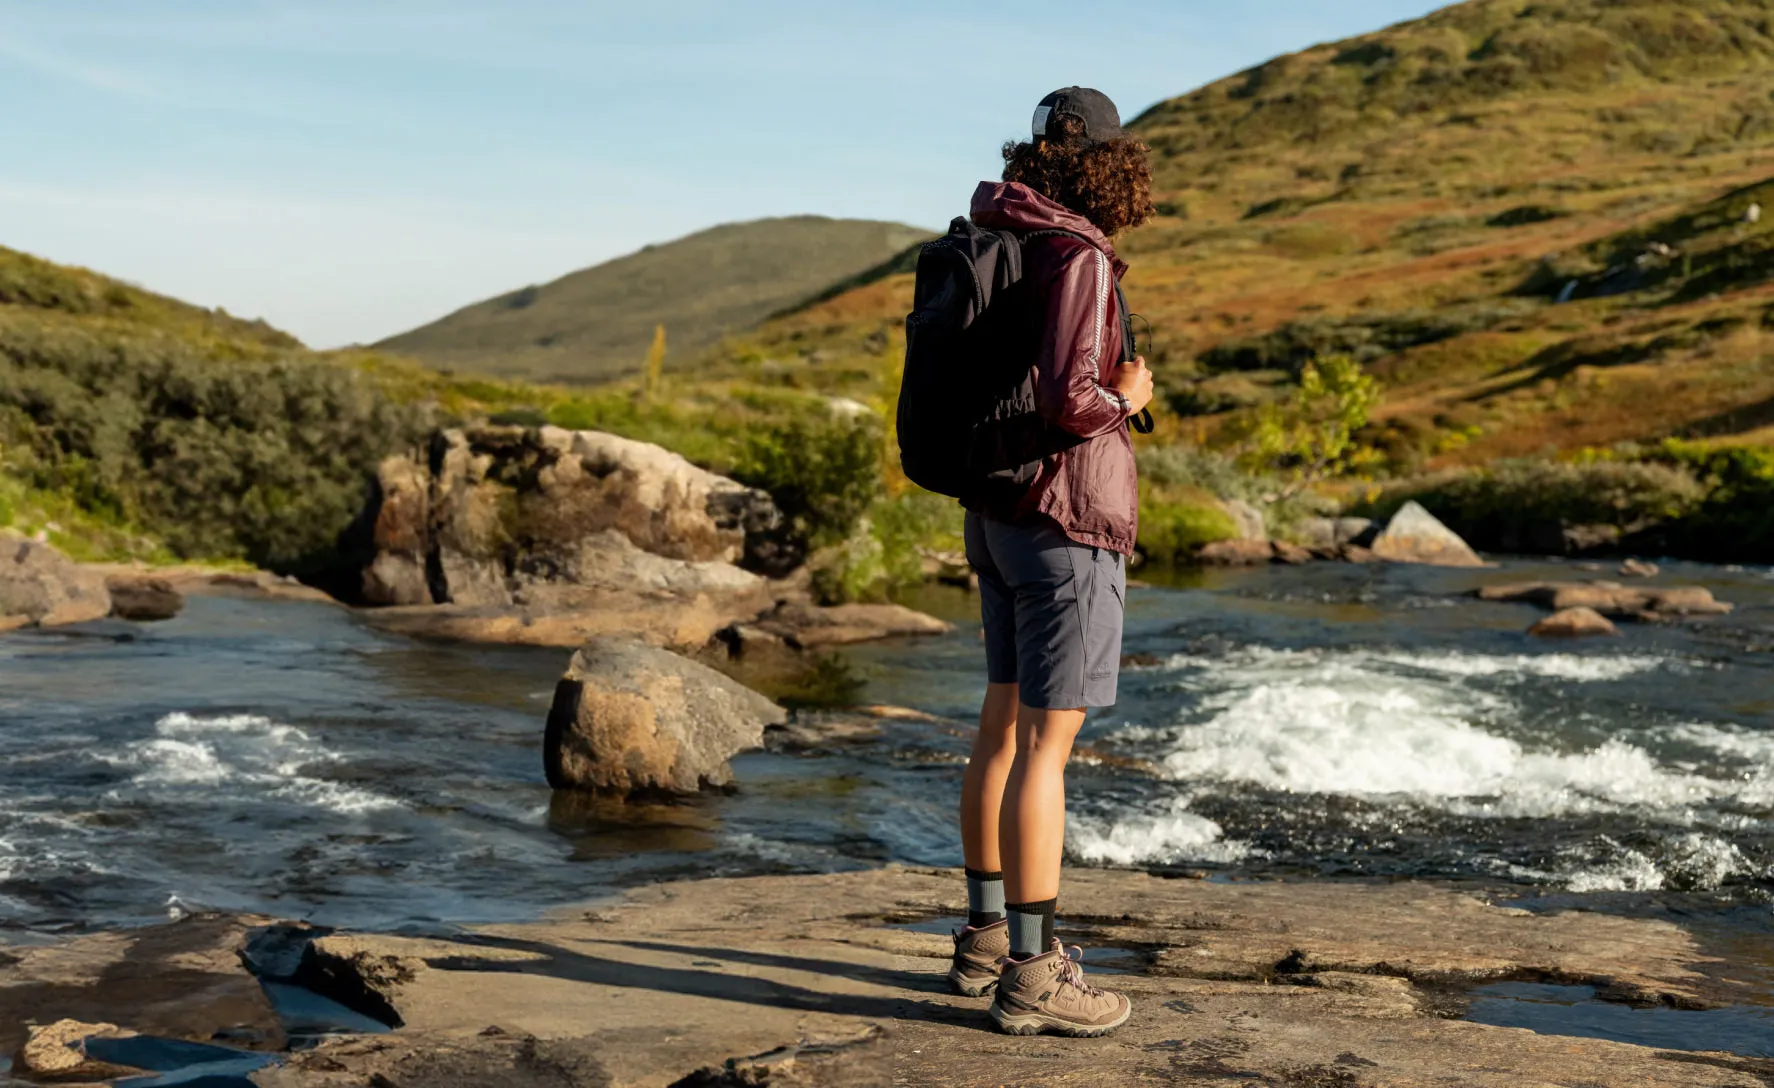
348 169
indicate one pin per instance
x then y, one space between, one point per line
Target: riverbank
838 980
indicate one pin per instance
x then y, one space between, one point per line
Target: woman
1052 562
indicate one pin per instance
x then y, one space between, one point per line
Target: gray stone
632 719
39 585
1415 536
143 598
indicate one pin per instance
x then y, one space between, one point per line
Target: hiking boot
1048 993
974 972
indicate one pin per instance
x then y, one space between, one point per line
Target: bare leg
982 788
1032 834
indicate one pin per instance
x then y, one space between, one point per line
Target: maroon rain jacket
1090 491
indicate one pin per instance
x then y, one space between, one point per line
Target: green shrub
222 454
1173 531
1528 505
885 552
822 467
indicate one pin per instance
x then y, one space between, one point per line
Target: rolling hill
1531 221
597 324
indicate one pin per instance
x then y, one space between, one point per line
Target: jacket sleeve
1068 389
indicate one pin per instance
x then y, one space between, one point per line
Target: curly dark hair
1108 183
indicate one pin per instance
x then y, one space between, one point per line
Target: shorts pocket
1105 615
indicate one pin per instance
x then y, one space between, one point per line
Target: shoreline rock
818 980
39 586
632 720
487 514
143 598
1644 603
1414 535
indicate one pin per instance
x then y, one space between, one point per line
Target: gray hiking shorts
1052 610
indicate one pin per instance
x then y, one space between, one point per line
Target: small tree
1310 436
655 373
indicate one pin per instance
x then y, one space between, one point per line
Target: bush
221 453
1532 506
1735 523
1173 531
823 468
885 553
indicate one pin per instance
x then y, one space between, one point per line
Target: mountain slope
1530 221
597 323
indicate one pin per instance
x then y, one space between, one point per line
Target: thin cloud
99 77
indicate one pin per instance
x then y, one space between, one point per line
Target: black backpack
967 421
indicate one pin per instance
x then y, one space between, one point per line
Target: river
1322 721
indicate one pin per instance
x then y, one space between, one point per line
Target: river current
1323 721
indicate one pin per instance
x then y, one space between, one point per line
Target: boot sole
1034 1023
969 988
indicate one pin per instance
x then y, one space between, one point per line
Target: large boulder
39 585
489 511
143 597
630 719
1414 535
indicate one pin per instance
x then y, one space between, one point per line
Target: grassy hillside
598 323
134 426
1530 222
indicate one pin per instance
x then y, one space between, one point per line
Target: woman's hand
1133 381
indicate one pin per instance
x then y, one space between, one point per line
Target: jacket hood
1011 205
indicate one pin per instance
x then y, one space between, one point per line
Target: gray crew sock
985 898
1031 928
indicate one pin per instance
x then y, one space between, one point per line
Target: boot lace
1071 971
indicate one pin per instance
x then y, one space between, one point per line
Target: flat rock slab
1612 599
182 981
808 981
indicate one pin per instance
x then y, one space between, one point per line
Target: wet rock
143 598
1235 553
183 981
1414 535
1574 623
1639 568
1248 520
39 585
629 719
58 1052
809 731
806 626
1612 599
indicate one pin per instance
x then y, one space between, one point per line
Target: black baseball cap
1101 120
